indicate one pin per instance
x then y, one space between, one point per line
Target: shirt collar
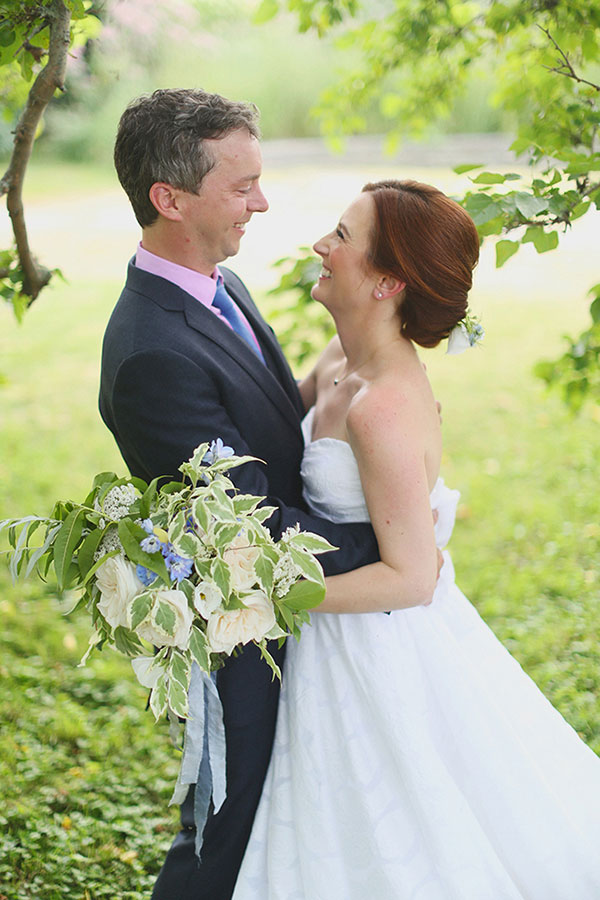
201 287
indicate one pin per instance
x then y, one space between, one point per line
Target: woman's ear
165 200
388 286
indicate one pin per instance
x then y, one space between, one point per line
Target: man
187 358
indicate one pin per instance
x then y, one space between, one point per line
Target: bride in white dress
414 759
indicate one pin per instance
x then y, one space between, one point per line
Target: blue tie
223 302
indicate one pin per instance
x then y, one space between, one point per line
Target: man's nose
259 201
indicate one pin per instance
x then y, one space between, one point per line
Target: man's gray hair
161 138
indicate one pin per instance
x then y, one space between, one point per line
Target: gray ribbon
204 751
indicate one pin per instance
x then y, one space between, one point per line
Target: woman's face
345 275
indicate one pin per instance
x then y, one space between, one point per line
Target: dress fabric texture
414 759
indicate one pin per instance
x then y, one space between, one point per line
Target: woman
413 757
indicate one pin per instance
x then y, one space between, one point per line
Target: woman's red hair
428 241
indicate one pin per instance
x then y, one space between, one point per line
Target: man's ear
165 200
388 286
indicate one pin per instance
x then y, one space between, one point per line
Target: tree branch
566 68
51 78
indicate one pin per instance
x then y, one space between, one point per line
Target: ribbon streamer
204 751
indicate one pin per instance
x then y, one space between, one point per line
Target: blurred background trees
396 67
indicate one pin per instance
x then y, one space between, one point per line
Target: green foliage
415 59
86 774
301 323
577 372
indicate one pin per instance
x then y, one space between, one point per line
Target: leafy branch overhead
35 38
414 59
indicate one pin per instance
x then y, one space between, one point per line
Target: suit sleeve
164 406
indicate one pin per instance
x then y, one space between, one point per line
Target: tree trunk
51 78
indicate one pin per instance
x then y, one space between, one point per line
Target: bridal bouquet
188 568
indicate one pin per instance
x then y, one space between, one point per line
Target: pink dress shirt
201 287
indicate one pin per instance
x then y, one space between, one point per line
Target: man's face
215 218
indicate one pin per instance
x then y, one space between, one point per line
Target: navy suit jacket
173 376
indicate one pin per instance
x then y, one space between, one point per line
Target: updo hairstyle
427 240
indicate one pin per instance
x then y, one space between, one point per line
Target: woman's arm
308 389
330 357
387 438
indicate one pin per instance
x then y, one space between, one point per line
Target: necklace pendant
335 381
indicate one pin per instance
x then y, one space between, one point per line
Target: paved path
92 236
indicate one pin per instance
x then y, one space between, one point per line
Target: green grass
86 775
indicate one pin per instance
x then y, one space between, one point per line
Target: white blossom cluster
109 542
286 572
117 502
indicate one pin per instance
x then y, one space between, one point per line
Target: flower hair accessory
465 334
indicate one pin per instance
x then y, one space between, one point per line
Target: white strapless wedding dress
414 759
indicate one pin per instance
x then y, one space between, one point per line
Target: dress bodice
332 486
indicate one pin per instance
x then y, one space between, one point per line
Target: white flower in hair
466 334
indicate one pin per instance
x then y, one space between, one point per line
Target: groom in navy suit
188 358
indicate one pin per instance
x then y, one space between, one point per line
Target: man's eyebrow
246 178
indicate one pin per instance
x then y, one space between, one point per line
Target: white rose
240 558
207 598
238 626
151 631
119 584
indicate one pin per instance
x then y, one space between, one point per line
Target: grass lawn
86 775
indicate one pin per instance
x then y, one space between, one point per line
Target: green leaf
541 240
303 595
266 11
221 576
140 608
202 514
178 698
165 618
504 251
188 545
199 648
264 512
264 572
66 540
127 642
466 167
130 536
85 556
180 668
148 498
224 534
489 178
313 543
595 309
158 697
529 205
580 210
307 564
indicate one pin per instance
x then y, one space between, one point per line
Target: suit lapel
279 387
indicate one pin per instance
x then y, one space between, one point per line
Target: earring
379 295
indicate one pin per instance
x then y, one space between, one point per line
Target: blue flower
148 526
218 450
151 544
145 575
179 567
